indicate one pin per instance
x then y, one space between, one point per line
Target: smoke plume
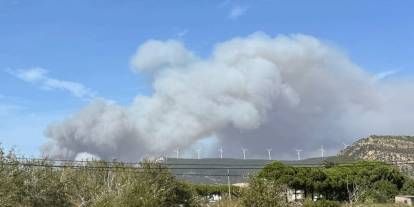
258 92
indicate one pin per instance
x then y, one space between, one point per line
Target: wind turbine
221 152
322 151
298 151
198 153
345 145
244 153
178 152
268 152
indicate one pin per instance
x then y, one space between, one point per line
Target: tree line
360 181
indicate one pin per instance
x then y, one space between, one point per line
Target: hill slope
375 148
382 148
215 170
390 149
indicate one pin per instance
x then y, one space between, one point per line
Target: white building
295 195
214 198
405 199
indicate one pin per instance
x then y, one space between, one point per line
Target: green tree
265 193
408 187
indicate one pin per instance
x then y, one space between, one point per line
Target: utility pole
268 152
228 182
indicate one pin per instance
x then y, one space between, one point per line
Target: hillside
382 148
390 149
215 170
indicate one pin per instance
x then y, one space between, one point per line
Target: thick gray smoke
258 92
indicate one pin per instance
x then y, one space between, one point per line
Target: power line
265 162
126 170
161 170
308 165
130 167
116 164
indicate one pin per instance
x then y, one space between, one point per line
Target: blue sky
89 43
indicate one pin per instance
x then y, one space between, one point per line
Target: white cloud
183 33
39 76
237 11
385 74
147 57
31 75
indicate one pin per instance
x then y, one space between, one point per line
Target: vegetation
95 184
363 184
235 203
381 148
362 181
206 190
265 193
320 203
43 183
214 166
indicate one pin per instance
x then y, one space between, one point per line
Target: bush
152 187
92 184
384 191
408 187
264 193
29 186
204 190
320 203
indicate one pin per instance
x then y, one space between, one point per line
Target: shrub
408 187
264 193
92 184
320 203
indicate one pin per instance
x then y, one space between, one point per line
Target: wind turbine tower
198 153
178 152
269 153
322 151
244 153
299 151
221 152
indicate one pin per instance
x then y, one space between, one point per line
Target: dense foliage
263 193
320 203
96 184
359 181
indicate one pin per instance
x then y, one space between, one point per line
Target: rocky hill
382 148
390 149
